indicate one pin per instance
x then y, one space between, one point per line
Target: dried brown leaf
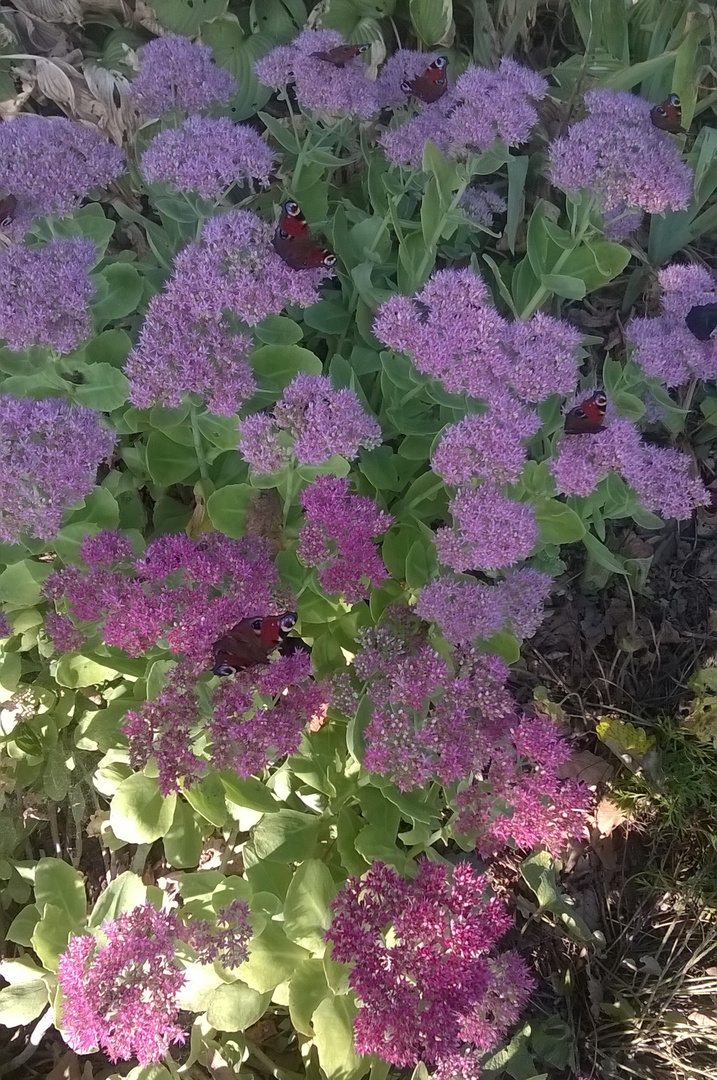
586 767
608 816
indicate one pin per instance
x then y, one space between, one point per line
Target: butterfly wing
294 244
340 55
250 642
588 417
8 207
667 116
430 86
702 321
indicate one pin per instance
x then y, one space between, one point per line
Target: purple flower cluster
187 592
482 205
486 445
402 66
664 346
176 73
451 331
451 723
122 995
50 164
490 531
187 343
320 421
528 803
660 476
619 156
428 721
338 538
207 154
319 85
46 294
49 455
485 105
468 609
257 717
433 986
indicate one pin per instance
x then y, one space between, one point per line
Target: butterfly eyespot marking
600 400
256 625
292 208
287 622
440 63
579 413
329 260
363 48
674 100
406 86
660 111
224 669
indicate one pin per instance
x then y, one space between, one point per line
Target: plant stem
542 292
198 448
269 1065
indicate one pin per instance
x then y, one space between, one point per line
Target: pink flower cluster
338 536
319 420
621 157
432 720
663 345
185 592
257 717
484 105
660 476
490 531
437 990
528 804
121 996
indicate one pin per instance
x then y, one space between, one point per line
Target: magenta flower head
338 538
319 85
528 803
122 996
488 445
547 355
49 455
490 531
46 294
619 156
427 991
320 420
663 344
50 164
207 154
176 73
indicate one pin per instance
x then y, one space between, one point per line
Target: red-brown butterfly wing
667 116
340 54
588 417
702 321
292 222
430 86
294 244
250 642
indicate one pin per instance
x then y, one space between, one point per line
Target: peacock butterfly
340 55
250 642
294 243
702 321
667 116
588 417
430 86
